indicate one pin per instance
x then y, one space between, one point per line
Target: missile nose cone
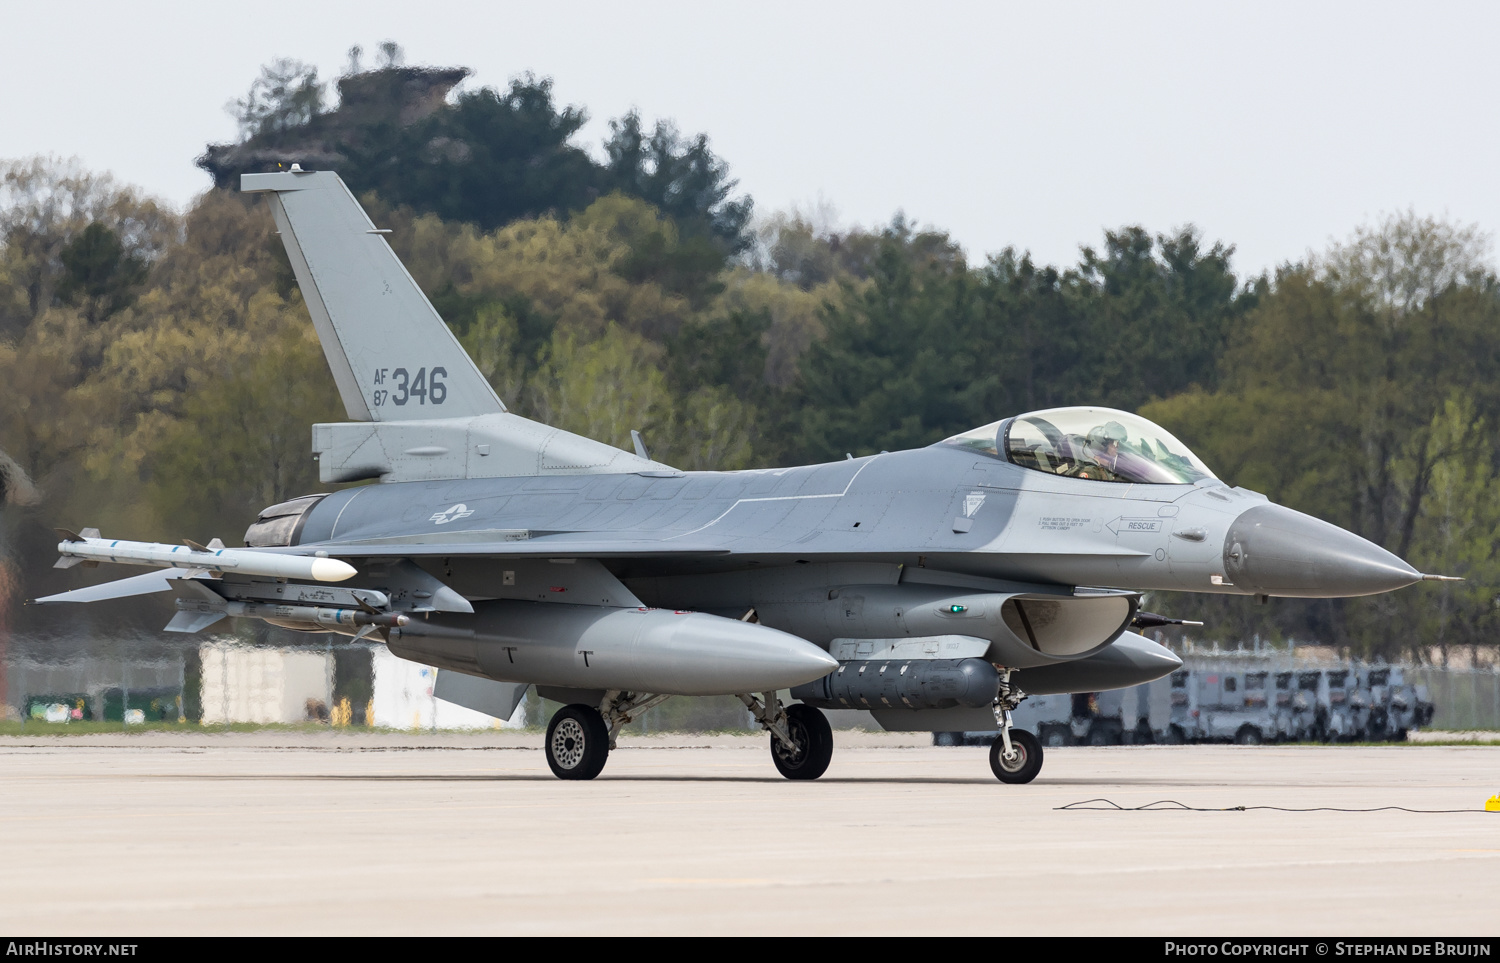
331 570
1273 550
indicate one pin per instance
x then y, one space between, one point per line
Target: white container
244 683
404 699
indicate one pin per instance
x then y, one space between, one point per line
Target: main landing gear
801 738
579 737
1016 757
577 742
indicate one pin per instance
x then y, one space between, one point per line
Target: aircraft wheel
577 742
1248 736
1027 762
813 752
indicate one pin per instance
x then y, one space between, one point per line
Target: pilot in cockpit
1119 447
1101 453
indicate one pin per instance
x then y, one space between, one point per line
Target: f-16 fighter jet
933 587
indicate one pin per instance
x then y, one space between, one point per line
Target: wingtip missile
86 549
330 569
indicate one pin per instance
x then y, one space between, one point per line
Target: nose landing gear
1023 761
1016 757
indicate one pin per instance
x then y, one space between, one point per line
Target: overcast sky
1272 126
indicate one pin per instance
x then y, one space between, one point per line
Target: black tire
1174 736
577 744
1055 736
1028 763
1248 735
813 751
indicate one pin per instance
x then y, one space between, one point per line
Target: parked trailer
1407 706
1246 700
1114 717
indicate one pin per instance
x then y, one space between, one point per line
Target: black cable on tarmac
1172 805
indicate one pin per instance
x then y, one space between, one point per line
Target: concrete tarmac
297 833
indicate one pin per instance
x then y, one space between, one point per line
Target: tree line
162 373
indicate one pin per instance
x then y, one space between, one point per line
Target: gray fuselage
939 508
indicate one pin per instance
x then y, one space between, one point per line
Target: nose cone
1271 550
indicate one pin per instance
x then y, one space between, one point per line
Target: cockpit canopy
1101 444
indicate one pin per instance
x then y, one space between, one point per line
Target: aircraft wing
151 582
495 545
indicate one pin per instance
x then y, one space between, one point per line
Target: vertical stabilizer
392 356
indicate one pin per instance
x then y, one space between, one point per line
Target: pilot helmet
1101 435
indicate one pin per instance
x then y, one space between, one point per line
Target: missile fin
194 545
191 587
90 533
68 535
191 622
67 561
215 544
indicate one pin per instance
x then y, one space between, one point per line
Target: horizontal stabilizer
151 582
485 446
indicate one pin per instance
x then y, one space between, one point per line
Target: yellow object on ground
1492 805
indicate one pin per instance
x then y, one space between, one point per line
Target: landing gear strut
621 708
1016 757
801 739
579 737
